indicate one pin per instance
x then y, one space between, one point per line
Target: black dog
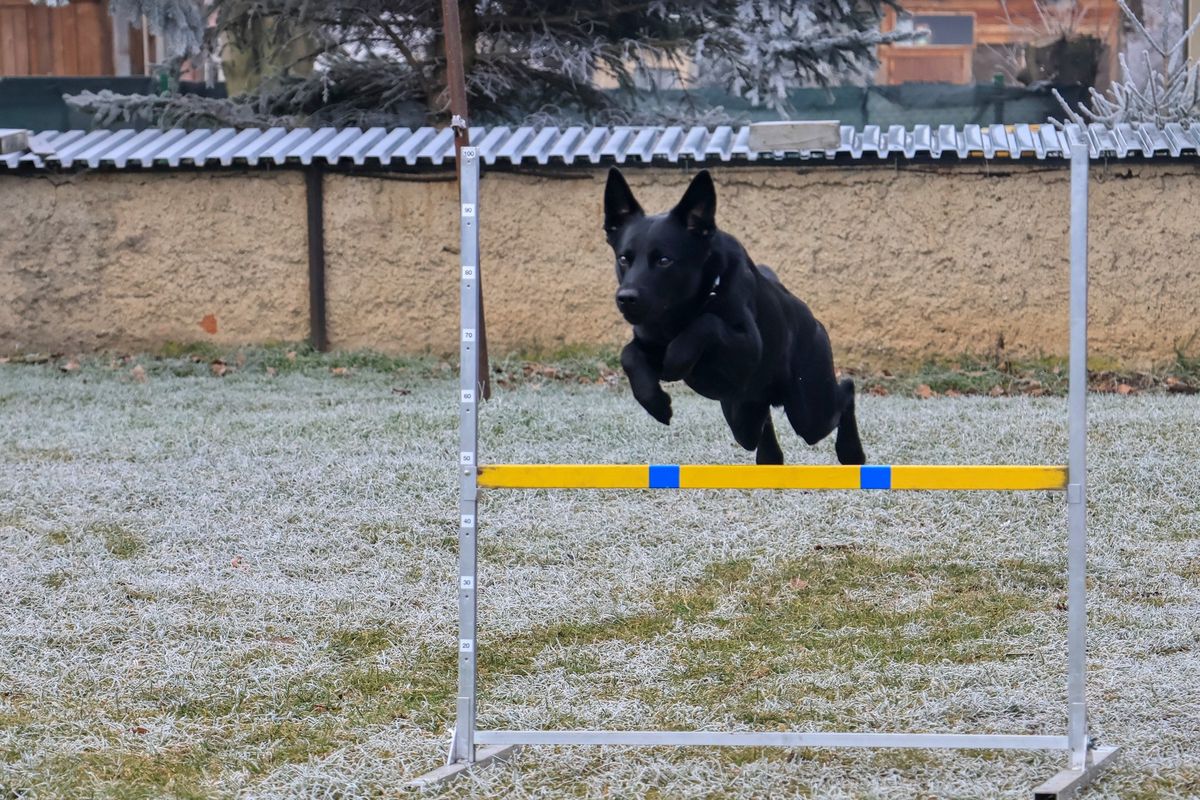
704 313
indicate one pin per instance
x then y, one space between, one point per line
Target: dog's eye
623 261
665 262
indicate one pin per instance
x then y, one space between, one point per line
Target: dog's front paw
659 407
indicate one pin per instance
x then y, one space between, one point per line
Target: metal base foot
483 756
1066 783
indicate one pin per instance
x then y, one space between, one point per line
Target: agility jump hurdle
471 746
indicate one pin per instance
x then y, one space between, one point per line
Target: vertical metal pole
1077 732
456 87
468 366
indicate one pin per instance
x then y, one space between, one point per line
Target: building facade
1004 41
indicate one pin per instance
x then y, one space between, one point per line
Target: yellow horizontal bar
970 476
565 476
738 476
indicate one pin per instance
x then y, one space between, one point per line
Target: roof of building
433 147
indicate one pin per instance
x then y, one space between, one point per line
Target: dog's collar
712 290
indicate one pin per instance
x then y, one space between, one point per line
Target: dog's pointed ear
619 204
698 208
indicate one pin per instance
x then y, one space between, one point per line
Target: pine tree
381 62
1164 92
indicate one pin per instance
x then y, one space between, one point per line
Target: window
944 29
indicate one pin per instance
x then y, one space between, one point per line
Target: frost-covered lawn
243 586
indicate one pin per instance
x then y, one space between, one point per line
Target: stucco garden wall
898 261
128 262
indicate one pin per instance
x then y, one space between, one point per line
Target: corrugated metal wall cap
383 147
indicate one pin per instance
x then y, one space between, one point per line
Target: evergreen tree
381 62
1166 90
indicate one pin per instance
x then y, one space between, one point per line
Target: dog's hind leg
817 403
768 446
848 446
815 413
753 430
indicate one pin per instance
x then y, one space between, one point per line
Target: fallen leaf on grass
924 392
70 366
218 368
291 355
401 392
240 360
270 372
138 373
139 729
236 561
996 391
340 372
1180 387
1124 388
799 584
953 393
545 371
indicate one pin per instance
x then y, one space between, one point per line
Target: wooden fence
74 39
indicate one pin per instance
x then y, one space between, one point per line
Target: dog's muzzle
628 304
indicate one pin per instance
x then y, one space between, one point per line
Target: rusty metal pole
456 85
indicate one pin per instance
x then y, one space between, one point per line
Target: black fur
704 313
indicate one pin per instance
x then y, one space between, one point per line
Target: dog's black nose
627 298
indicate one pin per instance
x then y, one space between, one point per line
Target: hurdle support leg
483 756
1086 762
1068 782
464 752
